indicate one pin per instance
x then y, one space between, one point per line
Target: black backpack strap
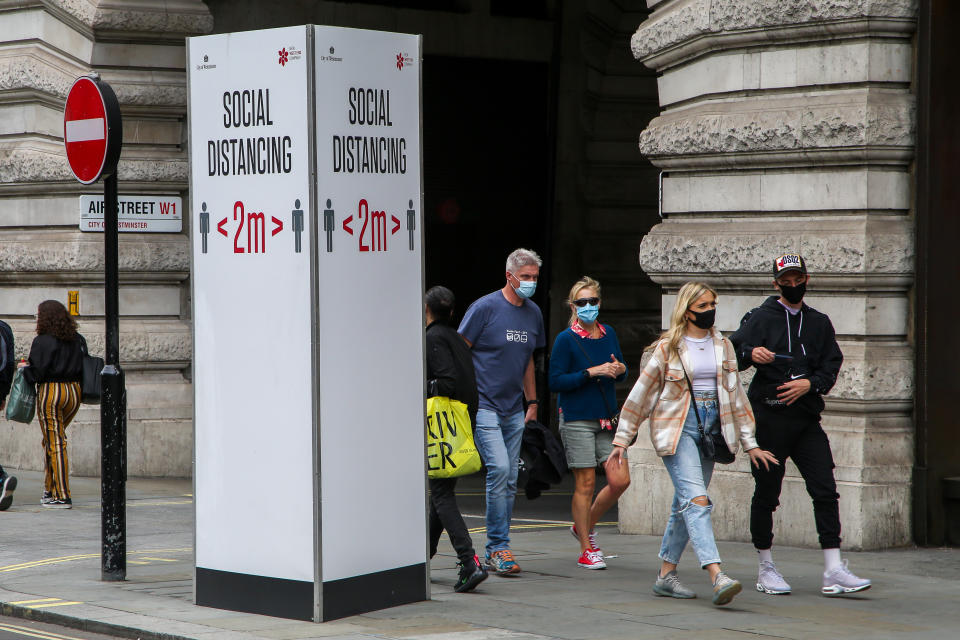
693 399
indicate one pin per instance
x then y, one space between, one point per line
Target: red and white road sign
91 129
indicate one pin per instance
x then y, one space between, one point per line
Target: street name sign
144 214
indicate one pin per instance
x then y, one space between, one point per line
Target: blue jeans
498 439
691 475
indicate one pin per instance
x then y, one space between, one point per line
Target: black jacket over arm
450 367
809 339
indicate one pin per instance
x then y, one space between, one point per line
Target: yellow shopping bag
450 448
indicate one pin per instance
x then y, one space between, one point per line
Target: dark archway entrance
486 170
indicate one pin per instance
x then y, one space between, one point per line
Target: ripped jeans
691 475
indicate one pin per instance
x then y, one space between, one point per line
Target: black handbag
90 390
614 416
712 445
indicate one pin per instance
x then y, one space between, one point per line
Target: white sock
766 555
831 559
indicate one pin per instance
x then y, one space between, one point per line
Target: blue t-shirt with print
503 338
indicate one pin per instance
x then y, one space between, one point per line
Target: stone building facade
790 126
764 126
138 47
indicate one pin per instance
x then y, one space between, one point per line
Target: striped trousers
57 404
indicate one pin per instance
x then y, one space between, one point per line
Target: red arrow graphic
279 226
395 222
345 227
220 226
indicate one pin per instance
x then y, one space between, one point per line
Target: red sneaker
592 536
591 559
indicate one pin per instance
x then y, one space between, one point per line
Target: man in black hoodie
794 350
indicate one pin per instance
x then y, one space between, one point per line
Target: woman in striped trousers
55 366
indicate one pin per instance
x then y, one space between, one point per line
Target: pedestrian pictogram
411 221
328 222
204 224
92 132
297 214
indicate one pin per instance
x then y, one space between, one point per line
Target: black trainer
471 575
7 484
58 503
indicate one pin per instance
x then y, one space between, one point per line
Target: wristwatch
586 374
534 401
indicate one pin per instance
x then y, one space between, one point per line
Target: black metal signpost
93 135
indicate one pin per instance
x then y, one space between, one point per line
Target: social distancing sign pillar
307 278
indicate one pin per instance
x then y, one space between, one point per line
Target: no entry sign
92 132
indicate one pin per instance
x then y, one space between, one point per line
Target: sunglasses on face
582 302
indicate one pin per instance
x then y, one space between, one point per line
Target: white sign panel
144 214
250 208
371 320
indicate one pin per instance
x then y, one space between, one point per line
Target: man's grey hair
521 258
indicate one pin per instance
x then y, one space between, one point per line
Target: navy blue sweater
579 396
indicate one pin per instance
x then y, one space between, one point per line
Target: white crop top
704 374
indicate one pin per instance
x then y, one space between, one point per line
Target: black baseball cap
789 262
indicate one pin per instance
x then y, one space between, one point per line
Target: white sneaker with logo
770 581
840 581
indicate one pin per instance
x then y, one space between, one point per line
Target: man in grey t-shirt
502 330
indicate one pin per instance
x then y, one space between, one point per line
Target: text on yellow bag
451 451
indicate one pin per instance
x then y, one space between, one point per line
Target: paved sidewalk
50 569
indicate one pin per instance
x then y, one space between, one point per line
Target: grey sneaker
841 581
724 589
670 585
770 581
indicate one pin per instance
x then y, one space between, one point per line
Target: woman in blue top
585 362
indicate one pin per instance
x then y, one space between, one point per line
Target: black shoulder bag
614 416
712 445
90 379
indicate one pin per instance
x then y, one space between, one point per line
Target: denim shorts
586 443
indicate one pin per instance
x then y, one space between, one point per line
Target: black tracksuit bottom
445 514
799 436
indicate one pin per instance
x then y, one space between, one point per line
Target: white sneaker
770 581
841 581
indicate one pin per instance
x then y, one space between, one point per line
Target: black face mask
793 295
704 319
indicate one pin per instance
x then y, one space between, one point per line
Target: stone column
788 125
138 47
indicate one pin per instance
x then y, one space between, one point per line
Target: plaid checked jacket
661 395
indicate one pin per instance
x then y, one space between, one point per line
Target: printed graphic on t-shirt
516 335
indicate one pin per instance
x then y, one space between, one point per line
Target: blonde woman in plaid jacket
690 354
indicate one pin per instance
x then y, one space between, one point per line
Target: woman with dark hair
450 373
55 365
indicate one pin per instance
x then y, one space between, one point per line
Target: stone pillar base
872 515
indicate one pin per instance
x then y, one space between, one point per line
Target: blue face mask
526 288
589 312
